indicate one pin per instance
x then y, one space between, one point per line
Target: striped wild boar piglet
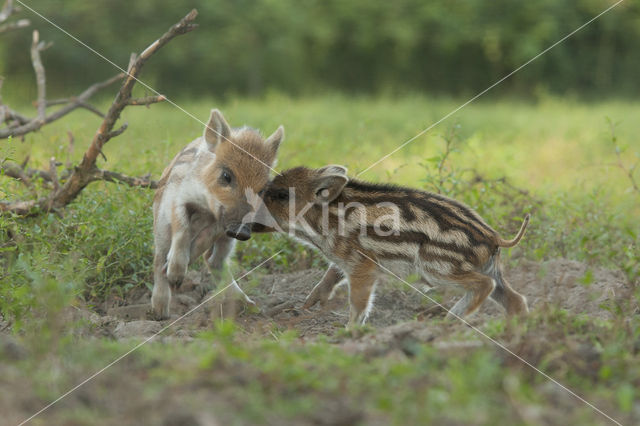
367 230
203 201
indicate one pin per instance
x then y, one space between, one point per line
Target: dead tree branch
81 104
10 26
109 176
148 100
29 125
16 172
67 187
36 47
5 13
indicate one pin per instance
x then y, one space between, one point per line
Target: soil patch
562 283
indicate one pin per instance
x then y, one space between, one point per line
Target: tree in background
303 46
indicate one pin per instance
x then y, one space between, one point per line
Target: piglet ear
333 169
273 141
217 130
330 182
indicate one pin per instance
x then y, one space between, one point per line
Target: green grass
252 381
559 152
556 157
554 143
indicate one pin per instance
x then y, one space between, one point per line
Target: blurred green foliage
308 46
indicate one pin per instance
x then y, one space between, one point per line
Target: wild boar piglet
367 230
202 200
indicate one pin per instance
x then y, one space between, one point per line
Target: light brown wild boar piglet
201 202
367 230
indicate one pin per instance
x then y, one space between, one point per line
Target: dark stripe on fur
421 239
375 192
445 218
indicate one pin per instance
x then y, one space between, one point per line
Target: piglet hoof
316 296
159 310
157 316
251 304
247 302
175 275
236 292
310 301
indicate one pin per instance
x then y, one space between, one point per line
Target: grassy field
549 145
555 159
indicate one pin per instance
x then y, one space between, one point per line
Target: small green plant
441 175
39 302
628 169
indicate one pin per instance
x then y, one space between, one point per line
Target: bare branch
27 174
18 172
86 172
22 208
6 11
123 96
118 131
35 124
40 75
184 26
14 171
54 173
10 26
147 100
109 176
132 61
16 116
91 108
84 105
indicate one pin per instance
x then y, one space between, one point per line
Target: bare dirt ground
400 315
280 297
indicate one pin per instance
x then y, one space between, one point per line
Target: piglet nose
240 232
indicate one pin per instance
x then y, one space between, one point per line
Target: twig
23 208
54 173
40 75
7 10
27 174
109 176
34 124
15 116
10 26
147 100
117 132
84 105
14 171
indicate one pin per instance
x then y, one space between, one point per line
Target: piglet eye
282 195
226 177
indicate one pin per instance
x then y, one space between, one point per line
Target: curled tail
516 240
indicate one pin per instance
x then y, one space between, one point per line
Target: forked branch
67 186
